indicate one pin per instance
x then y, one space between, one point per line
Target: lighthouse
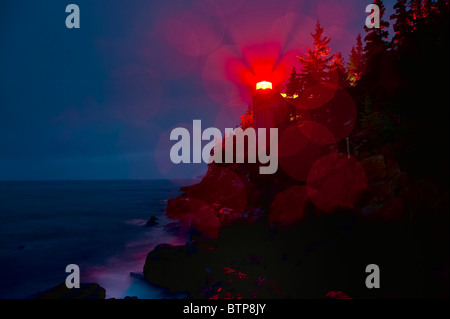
265 103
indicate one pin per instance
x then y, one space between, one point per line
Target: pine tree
415 11
442 6
402 23
338 70
247 118
293 85
360 51
315 62
427 8
376 38
356 65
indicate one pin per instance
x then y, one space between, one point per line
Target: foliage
247 118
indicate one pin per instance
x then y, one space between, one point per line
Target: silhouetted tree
338 70
415 11
442 7
427 8
402 23
315 62
377 38
247 118
357 63
293 84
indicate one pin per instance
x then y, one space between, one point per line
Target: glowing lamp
264 85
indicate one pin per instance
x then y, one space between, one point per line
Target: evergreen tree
442 7
315 62
415 12
356 65
427 8
292 92
247 118
376 38
402 23
285 114
338 70
293 85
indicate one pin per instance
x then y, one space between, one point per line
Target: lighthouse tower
265 103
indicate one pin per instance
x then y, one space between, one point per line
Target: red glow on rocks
219 199
299 146
297 153
291 141
317 133
289 206
335 182
195 212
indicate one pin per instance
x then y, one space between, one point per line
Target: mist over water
98 225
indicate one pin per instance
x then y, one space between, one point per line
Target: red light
264 85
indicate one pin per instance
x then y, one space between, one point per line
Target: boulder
393 210
382 191
375 168
137 275
230 283
152 221
178 268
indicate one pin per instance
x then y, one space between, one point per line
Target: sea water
98 225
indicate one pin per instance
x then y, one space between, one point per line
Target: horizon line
100 180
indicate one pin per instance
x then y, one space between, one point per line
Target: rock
289 206
228 215
172 227
201 204
152 221
371 210
393 169
200 215
336 182
86 291
382 191
393 210
375 168
178 268
137 275
233 284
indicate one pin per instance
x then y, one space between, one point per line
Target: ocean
98 225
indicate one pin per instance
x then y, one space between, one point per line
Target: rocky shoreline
238 250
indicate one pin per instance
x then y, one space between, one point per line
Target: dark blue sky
99 102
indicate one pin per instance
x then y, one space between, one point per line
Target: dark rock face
229 283
152 221
86 291
137 275
223 196
198 270
178 268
